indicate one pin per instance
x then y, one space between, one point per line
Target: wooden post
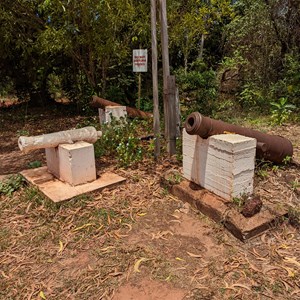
156 118
168 105
173 111
139 91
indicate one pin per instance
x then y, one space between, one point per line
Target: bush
198 88
120 139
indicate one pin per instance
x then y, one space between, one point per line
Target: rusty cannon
269 147
98 102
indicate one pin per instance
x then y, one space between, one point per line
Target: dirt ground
137 241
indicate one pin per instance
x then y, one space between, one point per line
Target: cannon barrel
270 147
87 134
131 112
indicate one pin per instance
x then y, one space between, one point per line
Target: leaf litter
91 246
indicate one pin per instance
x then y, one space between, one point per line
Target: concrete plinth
111 112
58 191
223 164
77 163
52 160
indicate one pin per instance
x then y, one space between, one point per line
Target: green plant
295 185
281 110
198 88
22 132
238 201
262 167
120 139
35 164
11 184
251 96
287 160
129 152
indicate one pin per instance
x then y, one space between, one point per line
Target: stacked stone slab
223 164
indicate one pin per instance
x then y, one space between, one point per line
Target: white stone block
52 160
110 112
77 163
223 164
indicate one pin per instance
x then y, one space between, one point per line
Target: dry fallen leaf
194 255
180 259
83 226
138 263
42 295
61 247
292 260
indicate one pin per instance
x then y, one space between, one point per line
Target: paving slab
58 191
222 211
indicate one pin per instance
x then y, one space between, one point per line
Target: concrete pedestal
111 112
72 163
223 164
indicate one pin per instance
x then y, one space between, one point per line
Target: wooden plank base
58 191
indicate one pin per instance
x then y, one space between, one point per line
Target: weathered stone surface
52 160
77 163
106 115
223 164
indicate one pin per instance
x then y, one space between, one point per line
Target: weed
239 202
281 111
295 184
287 160
262 167
174 178
35 164
22 132
11 184
129 152
119 139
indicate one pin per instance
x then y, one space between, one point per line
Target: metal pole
156 118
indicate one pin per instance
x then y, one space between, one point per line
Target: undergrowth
11 184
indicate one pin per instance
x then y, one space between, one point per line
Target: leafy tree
265 33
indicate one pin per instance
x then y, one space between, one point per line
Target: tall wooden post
156 119
170 121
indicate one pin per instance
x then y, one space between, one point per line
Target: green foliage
35 164
129 152
270 65
120 139
11 184
197 88
251 96
22 132
289 84
281 111
238 201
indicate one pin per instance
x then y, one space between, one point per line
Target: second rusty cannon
269 147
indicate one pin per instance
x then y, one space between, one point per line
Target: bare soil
137 241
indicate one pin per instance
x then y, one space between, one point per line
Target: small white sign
140 60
